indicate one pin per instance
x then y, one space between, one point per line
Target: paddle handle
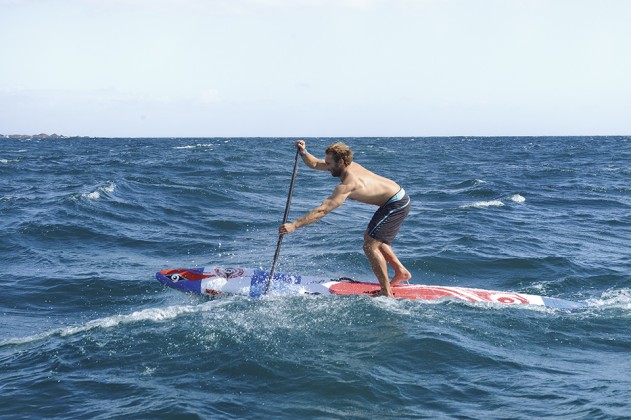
280 237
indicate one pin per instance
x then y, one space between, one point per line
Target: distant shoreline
34 136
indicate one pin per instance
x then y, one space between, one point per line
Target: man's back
367 186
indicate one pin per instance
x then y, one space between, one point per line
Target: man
360 184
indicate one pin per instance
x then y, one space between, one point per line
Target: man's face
332 166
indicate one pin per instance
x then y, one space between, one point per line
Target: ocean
87 332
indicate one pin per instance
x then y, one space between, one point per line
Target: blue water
88 332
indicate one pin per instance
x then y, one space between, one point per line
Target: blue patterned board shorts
388 218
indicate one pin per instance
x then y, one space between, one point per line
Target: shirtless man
360 184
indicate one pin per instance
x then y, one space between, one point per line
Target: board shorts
388 218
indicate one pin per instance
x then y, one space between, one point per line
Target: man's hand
286 228
301 146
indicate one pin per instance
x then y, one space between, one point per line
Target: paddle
280 237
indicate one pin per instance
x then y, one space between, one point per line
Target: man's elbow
322 211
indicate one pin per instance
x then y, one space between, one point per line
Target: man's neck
344 173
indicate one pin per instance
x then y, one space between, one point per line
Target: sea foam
483 204
516 198
150 314
195 146
96 194
615 298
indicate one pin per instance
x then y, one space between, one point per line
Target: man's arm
340 194
309 160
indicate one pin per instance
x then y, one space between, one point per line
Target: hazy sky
300 68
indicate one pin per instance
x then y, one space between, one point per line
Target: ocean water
87 332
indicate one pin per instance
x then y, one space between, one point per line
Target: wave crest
96 194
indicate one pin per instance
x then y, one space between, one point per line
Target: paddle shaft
280 237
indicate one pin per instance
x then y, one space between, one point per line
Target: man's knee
371 245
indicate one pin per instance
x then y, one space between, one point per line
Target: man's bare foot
378 293
401 276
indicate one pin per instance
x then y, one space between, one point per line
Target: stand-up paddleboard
213 281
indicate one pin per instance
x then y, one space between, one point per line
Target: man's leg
401 273
378 263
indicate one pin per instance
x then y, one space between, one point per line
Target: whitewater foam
483 204
195 146
151 314
96 194
616 298
516 198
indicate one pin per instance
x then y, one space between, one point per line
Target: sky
315 68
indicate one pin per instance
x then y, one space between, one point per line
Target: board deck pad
218 280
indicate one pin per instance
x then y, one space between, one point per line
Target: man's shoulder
345 187
359 170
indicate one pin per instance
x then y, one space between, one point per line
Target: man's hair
340 151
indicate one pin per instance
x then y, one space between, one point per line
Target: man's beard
336 172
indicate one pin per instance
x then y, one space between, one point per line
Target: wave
483 204
196 146
150 314
516 198
96 194
278 313
466 185
613 299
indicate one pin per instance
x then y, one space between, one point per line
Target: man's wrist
303 153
